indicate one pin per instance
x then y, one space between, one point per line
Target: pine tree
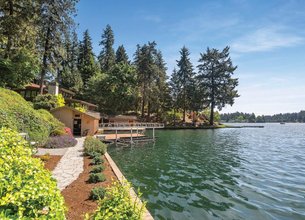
215 75
86 62
146 69
121 55
70 77
185 75
107 56
55 22
175 89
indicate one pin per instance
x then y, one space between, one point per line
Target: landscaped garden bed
77 194
49 161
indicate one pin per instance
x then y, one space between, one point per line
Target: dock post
154 133
116 135
131 136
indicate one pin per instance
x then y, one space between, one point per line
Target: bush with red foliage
68 131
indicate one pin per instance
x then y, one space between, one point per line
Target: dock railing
132 125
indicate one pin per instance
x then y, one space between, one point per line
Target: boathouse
80 123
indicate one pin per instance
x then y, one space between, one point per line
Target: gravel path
70 165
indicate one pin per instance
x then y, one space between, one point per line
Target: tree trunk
212 113
143 101
9 34
44 59
148 110
174 116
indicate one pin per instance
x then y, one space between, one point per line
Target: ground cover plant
92 145
27 190
62 141
118 204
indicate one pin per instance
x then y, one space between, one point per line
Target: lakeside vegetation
252 118
39 43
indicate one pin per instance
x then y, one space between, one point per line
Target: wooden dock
127 132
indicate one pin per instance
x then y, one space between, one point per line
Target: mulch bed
51 163
77 193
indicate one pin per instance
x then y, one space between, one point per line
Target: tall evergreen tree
121 55
86 61
19 60
215 74
175 90
107 56
55 22
146 69
151 69
70 77
185 75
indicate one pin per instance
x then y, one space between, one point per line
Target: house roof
82 102
92 114
67 91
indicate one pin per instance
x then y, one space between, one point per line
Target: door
77 127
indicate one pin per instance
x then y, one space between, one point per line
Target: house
29 92
80 116
80 123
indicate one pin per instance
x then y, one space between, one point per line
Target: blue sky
267 40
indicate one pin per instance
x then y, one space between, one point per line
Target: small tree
215 74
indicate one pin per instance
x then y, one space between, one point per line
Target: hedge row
27 190
18 114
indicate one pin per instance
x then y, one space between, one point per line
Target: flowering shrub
68 131
27 190
118 204
61 142
92 144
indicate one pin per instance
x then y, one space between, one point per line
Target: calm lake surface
248 173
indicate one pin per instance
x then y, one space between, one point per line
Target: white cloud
153 18
266 39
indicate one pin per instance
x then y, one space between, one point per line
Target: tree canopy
215 75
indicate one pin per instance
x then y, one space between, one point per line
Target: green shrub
27 190
96 178
97 169
97 193
94 154
19 115
97 160
118 204
45 101
92 144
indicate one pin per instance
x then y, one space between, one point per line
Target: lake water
248 173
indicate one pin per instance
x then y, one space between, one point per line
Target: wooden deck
110 137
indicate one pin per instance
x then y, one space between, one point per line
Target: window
22 93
